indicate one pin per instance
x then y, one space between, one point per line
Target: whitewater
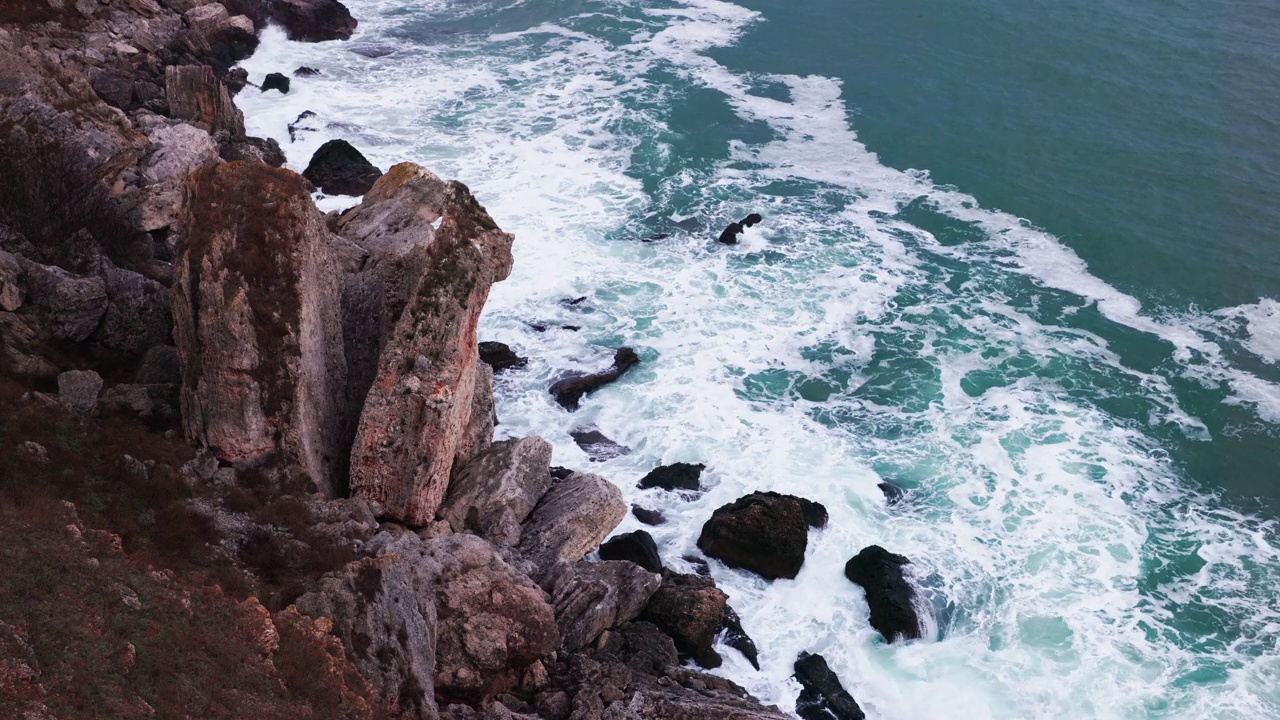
875 327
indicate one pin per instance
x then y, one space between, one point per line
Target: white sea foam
825 353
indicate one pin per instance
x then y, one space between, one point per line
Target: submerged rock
598 447
823 697
569 391
892 493
305 71
676 476
647 516
889 595
637 547
500 357
766 533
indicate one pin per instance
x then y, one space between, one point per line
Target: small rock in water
737 638
892 493
598 447
573 302
560 473
638 547
500 357
276 81
648 517
731 232
766 533
305 71
569 391
676 476
337 168
823 697
889 595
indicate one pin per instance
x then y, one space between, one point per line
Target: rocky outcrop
822 696
600 596
637 547
500 357
689 608
337 168
889 594
494 493
676 476
570 521
313 20
766 533
421 400
256 314
276 81
569 391
195 94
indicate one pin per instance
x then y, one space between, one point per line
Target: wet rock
560 473
194 93
676 476
569 391
158 402
691 609
78 390
637 547
598 447
256 315
889 595
421 400
305 71
648 517
645 648
500 357
337 168
823 697
892 493
301 124
570 521
766 533
730 234
496 491
313 20
598 597
737 638
276 81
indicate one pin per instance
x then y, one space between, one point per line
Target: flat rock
889 595
496 491
766 533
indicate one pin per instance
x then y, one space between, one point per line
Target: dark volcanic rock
571 389
314 20
766 533
647 516
598 447
638 547
892 493
676 476
690 609
889 595
337 168
500 356
276 81
559 473
305 71
730 234
823 697
737 638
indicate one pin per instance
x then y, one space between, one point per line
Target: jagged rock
159 365
598 447
137 316
173 151
422 398
637 547
766 533
647 516
65 306
645 648
823 697
253 149
78 390
305 71
600 596
689 608
276 81
892 493
569 391
737 638
114 87
384 611
492 621
256 316
730 234
889 595
570 521
222 39
500 357
337 168
676 476
195 94
496 491
313 20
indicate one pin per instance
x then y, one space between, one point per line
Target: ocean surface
1018 258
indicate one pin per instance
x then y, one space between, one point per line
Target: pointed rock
890 596
823 697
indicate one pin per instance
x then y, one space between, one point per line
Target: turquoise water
1013 259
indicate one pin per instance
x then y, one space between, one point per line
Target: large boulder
493 624
500 356
256 316
601 596
890 596
496 491
570 521
569 391
691 609
138 316
337 168
419 407
637 547
477 436
172 152
676 476
63 306
766 533
822 696
313 20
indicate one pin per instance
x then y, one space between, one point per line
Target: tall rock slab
417 413
256 318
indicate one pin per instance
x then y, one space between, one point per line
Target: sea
1017 258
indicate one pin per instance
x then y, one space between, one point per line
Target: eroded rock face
766 533
419 406
496 491
570 521
601 596
195 94
256 315
691 609
889 595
